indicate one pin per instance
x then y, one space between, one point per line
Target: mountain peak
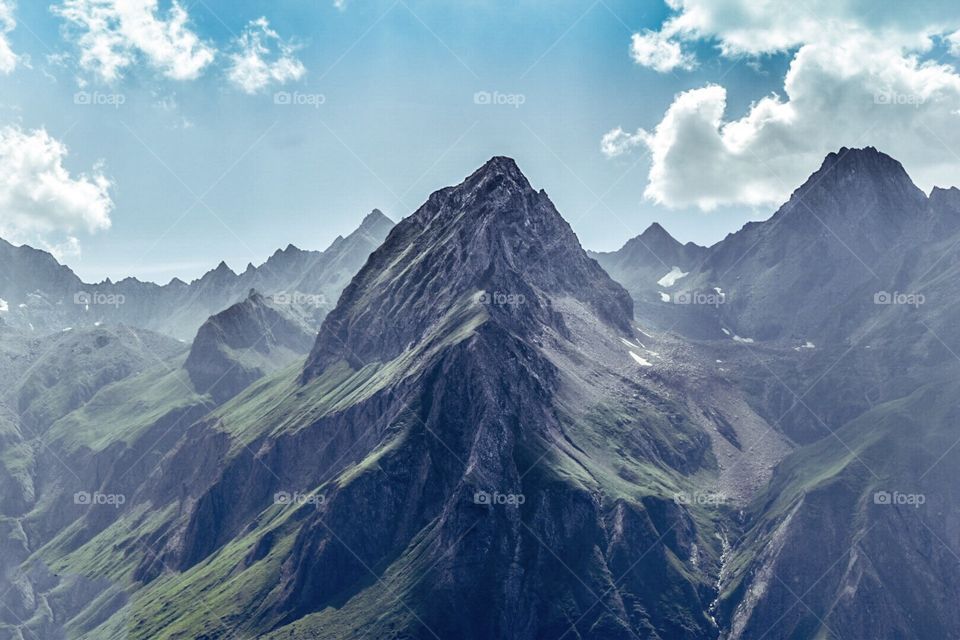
241 344
863 184
376 223
656 232
862 159
500 170
374 217
492 235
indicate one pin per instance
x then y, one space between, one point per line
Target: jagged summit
500 171
856 178
375 217
241 344
491 233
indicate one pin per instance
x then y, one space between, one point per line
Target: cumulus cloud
39 196
659 51
113 34
263 58
8 59
860 75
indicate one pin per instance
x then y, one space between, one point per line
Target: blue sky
201 170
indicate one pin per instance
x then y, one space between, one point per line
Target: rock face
494 324
43 296
491 238
242 344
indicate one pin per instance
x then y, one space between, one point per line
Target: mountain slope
856 540
242 344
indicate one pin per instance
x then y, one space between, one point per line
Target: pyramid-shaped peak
491 234
500 167
856 180
656 230
865 159
374 219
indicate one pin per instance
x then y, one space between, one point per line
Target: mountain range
493 433
40 295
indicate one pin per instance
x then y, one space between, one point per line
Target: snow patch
671 278
718 290
726 331
642 361
664 297
737 338
4 307
805 345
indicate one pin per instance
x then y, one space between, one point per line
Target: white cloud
617 142
659 52
39 196
340 5
263 59
8 59
858 77
69 248
113 34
